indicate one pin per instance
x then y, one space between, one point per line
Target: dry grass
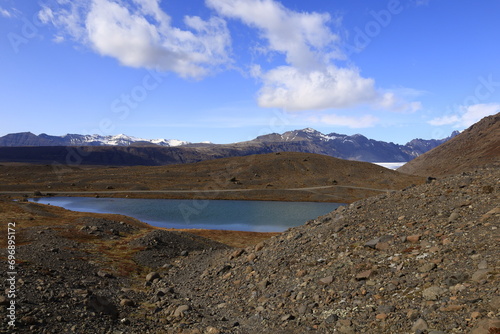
237 239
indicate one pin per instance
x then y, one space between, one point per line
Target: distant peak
310 130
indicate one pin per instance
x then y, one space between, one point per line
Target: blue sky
230 70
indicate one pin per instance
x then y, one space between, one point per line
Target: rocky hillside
479 145
422 260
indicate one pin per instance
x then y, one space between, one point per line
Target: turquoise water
257 216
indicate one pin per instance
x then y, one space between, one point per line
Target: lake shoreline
234 215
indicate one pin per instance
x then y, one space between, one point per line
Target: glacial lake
256 216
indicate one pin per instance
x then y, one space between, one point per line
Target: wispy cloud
5 13
140 34
467 115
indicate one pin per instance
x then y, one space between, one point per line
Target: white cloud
310 80
467 115
365 121
302 37
291 89
140 34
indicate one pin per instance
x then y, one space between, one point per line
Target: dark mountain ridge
125 150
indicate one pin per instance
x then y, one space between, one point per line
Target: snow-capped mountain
29 139
350 147
125 150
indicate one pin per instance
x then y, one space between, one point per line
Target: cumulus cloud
467 115
140 34
292 89
302 37
310 80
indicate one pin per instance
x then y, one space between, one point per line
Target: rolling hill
477 146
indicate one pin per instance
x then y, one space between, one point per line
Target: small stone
446 241
251 257
104 274
494 303
453 217
4 300
259 246
126 302
101 304
413 238
483 326
432 293
346 330
179 311
332 319
302 309
152 276
125 321
301 273
427 267
237 253
419 325
451 308
475 315
386 309
381 316
412 314
211 330
480 275
482 265
364 275
287 317
383 246
28 320
326 280
184 253
263 284
372 243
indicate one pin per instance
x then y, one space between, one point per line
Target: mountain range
126 150
30 139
